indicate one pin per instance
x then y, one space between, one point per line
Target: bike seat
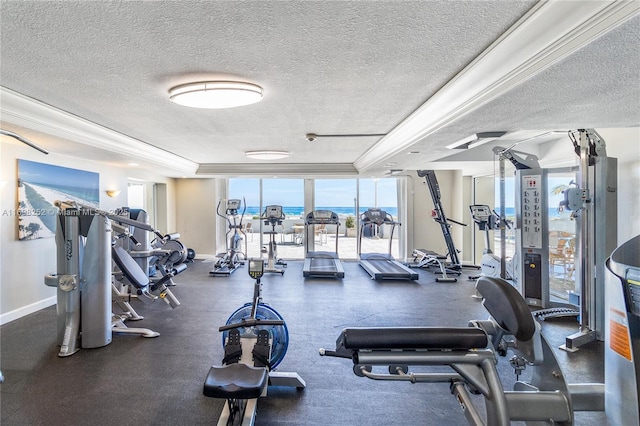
235 381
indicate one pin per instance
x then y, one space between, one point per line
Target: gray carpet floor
158 381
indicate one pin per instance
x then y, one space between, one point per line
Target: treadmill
321 263
381 266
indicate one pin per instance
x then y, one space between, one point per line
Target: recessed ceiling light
134 164
216 94
267 155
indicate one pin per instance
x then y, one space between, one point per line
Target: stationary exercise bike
487 220
255 339
273 216
233 257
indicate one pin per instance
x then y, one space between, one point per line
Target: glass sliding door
249 191
339 196
382 194
288 193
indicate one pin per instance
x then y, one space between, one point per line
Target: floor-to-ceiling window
380 194
248 190
339 195
288 193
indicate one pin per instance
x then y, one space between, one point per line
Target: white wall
196 215
23 264
427 234
624 144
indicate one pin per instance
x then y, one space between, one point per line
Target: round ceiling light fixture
216 94
267 155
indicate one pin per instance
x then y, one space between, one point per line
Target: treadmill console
319 217
376 216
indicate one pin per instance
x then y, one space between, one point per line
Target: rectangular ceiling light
475 140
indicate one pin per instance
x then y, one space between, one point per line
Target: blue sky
40 173
329 192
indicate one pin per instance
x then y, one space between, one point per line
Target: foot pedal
261 350
232 349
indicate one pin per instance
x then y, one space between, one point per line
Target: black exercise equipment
321 263
381 266
439 216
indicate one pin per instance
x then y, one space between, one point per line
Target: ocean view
297 211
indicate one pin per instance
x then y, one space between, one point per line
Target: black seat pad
451 338
235 381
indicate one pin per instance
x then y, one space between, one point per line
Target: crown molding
276 169
548 33
23 111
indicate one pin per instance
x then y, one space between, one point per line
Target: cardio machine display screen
256 268
273 211
233 204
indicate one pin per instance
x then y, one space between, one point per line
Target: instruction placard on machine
532 211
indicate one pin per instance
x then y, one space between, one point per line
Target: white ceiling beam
549 32
277 169
23 111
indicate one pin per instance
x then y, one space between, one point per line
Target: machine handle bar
250 323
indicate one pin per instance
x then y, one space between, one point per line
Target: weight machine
595 192
83 279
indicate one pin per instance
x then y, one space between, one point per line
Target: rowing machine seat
235 381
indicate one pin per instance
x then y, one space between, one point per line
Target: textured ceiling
326 67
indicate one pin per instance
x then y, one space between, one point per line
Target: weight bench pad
235 381
507 306
129 267
450 338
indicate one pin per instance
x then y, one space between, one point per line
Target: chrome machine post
68 284
598 232
82 279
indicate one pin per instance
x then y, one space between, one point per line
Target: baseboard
26 310
205 256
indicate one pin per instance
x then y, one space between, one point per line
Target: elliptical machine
488 220
233 257
255 339
273 216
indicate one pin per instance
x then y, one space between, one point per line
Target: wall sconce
113 192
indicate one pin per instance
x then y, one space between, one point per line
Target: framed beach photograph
40 185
